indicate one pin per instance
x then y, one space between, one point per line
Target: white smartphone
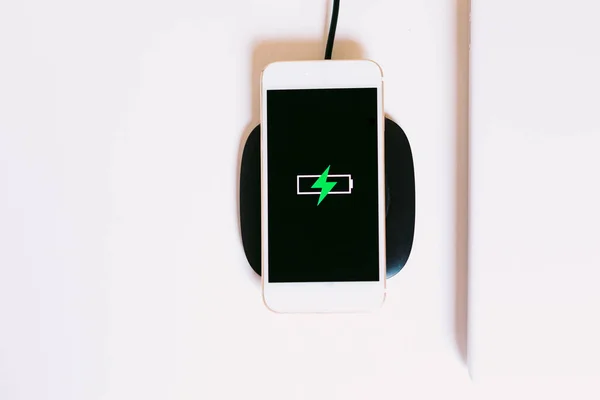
322 186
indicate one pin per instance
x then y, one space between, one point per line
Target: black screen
322 185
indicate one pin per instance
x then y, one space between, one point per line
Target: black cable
332 26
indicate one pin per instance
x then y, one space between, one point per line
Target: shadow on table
461 268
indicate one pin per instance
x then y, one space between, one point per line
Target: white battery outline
333 191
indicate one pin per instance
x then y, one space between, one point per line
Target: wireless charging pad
400 198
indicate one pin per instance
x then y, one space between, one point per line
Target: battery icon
344 184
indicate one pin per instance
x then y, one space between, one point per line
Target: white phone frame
323 297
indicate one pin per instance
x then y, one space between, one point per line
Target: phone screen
322 150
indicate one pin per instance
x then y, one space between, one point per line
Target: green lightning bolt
322 184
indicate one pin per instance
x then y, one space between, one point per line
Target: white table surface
122 273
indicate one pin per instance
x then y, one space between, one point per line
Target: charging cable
332 25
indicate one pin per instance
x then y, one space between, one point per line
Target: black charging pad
400 198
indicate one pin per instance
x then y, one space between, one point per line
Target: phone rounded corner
383 299
266 302
268 69
376 303
376 67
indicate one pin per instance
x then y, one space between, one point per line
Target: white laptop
534 239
